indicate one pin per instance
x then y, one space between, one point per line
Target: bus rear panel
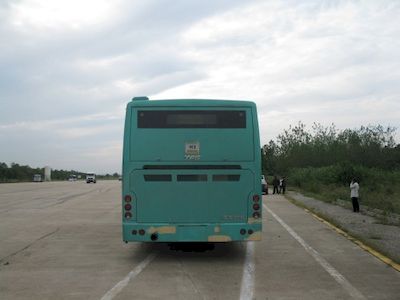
191 171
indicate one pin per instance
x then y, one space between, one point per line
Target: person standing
275 183
283 185
354 187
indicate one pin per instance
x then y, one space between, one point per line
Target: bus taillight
128 198
256 215
256 206
128 206
128 215
256 198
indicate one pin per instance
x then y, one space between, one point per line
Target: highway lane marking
354 293
372 251
247 287
132 274
348 236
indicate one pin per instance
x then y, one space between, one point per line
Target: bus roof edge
140 98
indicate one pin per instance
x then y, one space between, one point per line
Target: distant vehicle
72 178
120 178
37 178
90 177
264 185
191 171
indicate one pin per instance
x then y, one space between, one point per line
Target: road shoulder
367 230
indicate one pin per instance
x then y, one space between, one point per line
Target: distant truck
90 177
37 178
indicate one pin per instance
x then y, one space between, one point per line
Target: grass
374 207
379 189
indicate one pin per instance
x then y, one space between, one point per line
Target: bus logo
192 150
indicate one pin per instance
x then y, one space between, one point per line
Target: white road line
132 274
354 293
247 287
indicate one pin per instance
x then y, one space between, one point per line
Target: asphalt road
63 241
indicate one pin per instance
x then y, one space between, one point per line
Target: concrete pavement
63 241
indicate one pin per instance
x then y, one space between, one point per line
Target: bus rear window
191 119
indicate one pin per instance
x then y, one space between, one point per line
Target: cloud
64 72
296 58
59 69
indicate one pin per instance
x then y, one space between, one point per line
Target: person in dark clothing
283 185
275 183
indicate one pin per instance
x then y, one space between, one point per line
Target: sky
68 68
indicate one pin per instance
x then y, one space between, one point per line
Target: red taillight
256 206
256 215
142 232
128 198
256 198
128 215
128 206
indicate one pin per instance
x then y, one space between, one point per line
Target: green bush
378 188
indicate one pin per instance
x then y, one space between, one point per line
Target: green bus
191 171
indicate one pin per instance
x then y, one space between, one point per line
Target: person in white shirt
354 187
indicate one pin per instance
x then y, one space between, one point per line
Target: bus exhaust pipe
154 237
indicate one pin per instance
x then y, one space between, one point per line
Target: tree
296 147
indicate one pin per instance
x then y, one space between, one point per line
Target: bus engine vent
227 177
200 177
158 177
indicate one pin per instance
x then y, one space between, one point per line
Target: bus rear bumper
144 232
